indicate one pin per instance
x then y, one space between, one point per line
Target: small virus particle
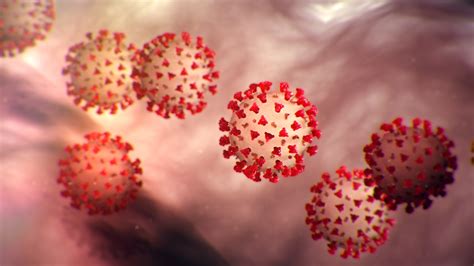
344 212
100 72
175 73
409 164
472 152
99 175
269 132
22 23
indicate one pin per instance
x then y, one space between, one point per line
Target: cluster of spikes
23 23
409 164
343 211
99 175
175 73
269 131
99 70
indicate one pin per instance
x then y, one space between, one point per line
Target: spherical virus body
100 72
269 132
98 175
175 73
22 23
344 212
409 164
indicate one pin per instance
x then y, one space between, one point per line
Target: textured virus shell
100 72
175 73
344 212
99 175
408 164
22 23
269 131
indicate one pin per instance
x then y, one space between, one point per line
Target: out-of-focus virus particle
269 132
98 175
100 72
472 151
344 212
409 164
22 23
175 73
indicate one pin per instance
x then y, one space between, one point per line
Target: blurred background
362 62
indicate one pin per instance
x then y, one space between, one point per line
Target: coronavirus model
175 73
100 72
472 153
269 132
98 175
343 211
22 23
409 164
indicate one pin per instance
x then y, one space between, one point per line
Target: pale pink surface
361 68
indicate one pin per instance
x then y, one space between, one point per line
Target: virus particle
269 132
175 73
99 175
100 72
472 151
22 23
409 164
344 212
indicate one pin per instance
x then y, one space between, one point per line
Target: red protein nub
344 212
409 164
22 23
175 73
99 175
100 72
269 132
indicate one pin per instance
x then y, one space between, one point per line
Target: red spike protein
22 23
100 72
344 212
99 175
409 164
269 132
175 73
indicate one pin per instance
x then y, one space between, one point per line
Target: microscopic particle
409 164
472 153
23 23
100 72
343 211
98 175
175 73
269 132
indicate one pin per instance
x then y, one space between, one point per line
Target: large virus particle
269 132
344 212
22 23
409 164
98 175
100 72
175 73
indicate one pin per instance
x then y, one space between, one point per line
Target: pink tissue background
369 63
